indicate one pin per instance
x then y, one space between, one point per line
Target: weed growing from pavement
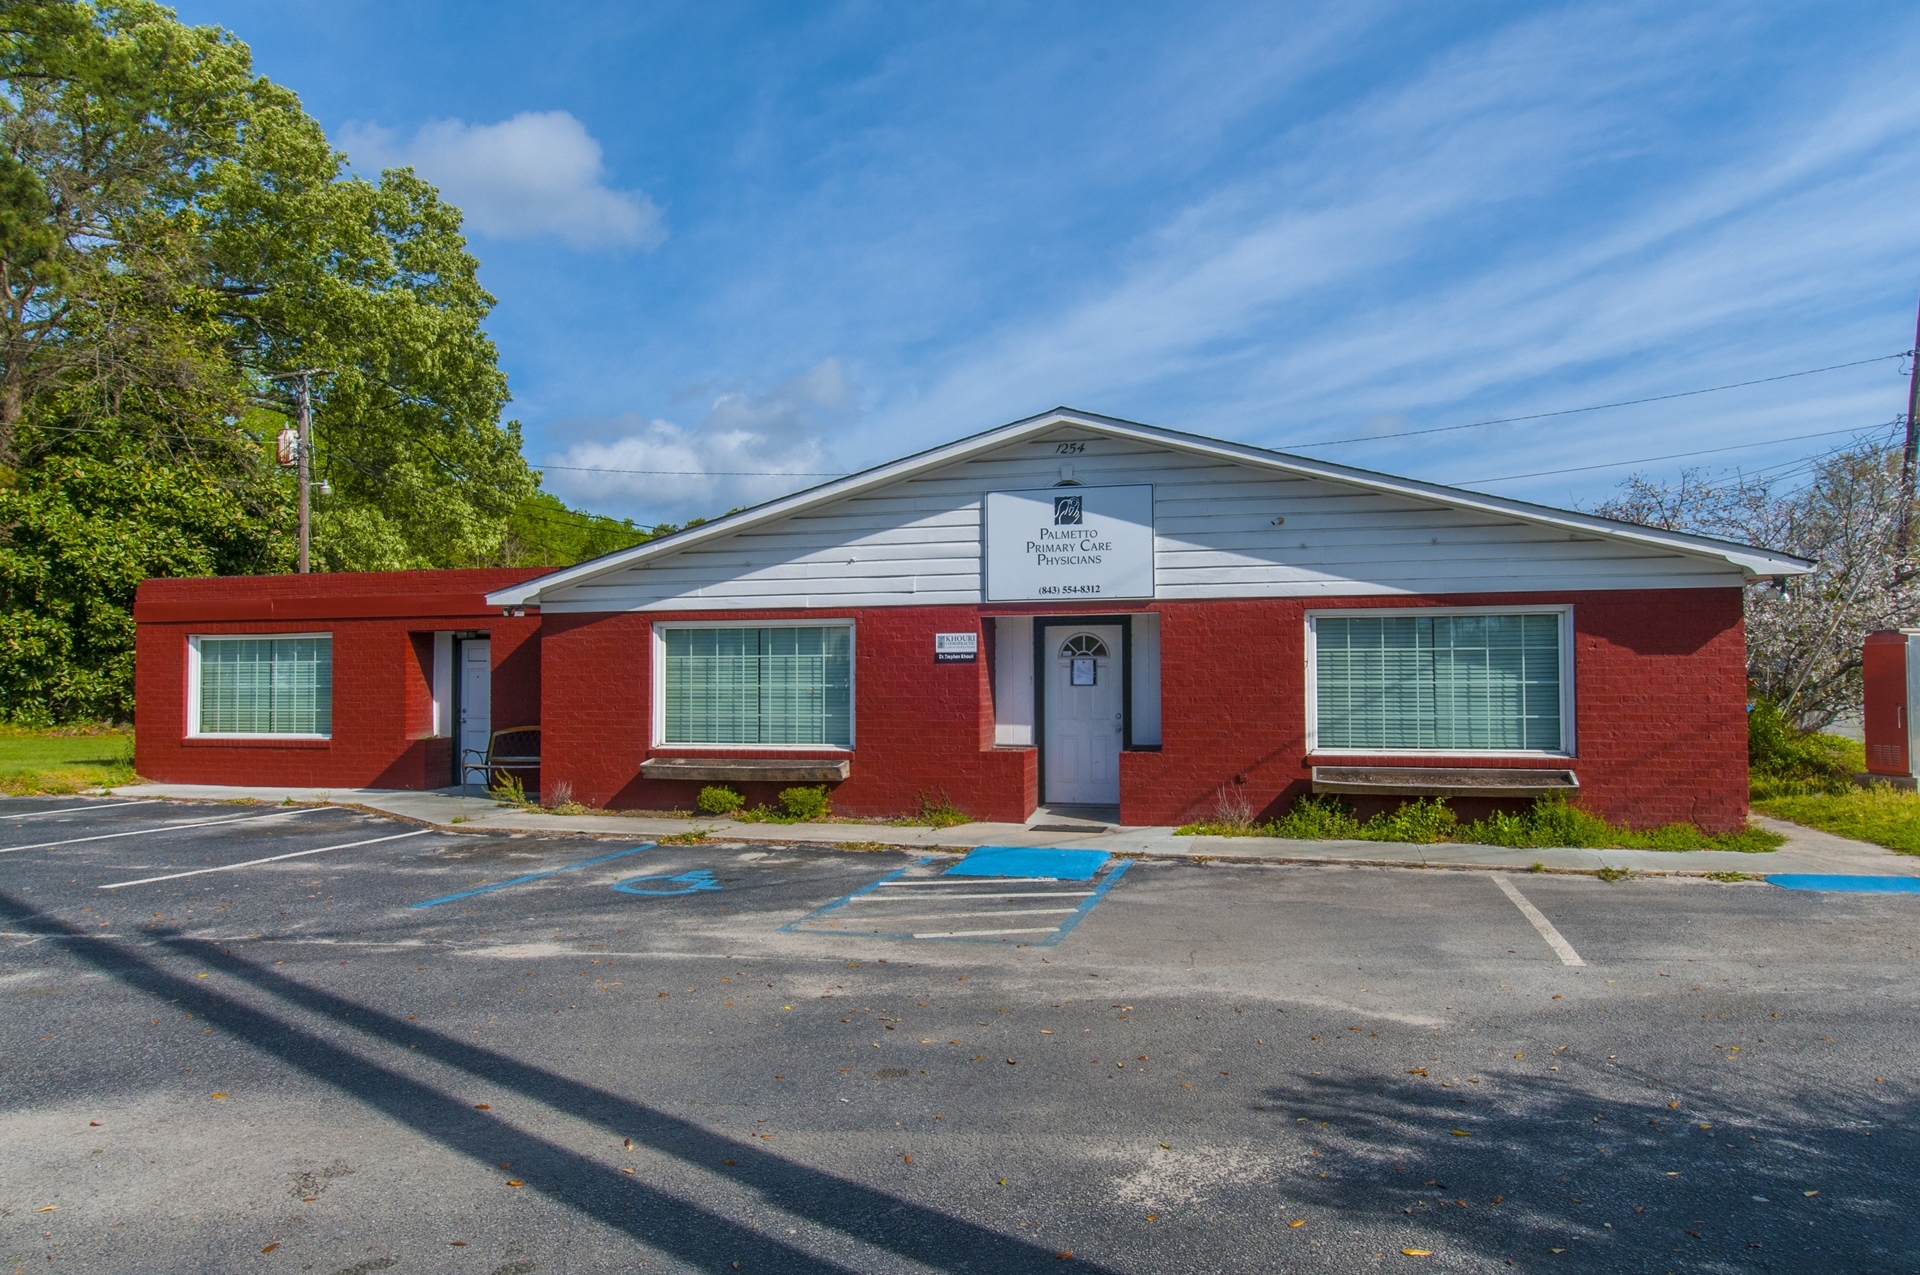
936 811
1551 822
508 791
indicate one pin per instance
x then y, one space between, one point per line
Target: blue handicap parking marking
692 883
997 894
1030 863
1847 884
531 876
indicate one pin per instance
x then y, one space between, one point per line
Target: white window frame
193 683
1567 698
660 628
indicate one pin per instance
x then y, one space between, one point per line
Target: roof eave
528 592
1755 564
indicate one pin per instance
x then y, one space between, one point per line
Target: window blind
786 685
266 686
1438 683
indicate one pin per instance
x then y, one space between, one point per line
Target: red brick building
1067 611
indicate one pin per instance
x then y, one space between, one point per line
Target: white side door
476 708
1084 716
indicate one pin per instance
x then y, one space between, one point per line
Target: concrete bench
746 771
1441 781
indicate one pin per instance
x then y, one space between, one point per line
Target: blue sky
804 238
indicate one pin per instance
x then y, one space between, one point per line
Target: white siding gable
916 540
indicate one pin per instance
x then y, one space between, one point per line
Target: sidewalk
1806 850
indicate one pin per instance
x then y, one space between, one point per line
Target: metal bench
1442 781
515 749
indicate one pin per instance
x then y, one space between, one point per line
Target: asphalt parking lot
257 1038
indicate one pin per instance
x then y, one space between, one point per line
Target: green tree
175 231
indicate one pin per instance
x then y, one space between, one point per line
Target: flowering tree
1803 641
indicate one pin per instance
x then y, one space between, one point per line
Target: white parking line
66 810
969 934
877 897
1553 937
165 827
272 858
942 916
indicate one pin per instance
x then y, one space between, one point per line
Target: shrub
806 803
1421 821
1783 759
1550 821
1317 819
718 799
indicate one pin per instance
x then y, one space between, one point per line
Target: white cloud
539 173
748 448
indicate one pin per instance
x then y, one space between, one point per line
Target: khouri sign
1063 543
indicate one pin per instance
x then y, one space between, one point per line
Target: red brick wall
381 673
920 727
1659 678
1660 715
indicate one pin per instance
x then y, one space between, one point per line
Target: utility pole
303 451
1903 540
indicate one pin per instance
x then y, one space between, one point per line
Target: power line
1329 442
702 473
1705 451
1600 407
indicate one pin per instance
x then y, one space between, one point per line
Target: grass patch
1807 778
1731 878
682 839
1551 822
1881 814
65 761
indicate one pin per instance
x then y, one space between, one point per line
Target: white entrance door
1084 721
476 708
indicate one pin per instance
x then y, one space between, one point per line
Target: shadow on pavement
610 1198
1660 1182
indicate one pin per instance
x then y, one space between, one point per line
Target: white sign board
956 648
1062 543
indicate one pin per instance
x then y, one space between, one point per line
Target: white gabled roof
1754 563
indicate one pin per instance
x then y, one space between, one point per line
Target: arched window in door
1083 644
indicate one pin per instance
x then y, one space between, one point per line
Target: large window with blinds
772 685
262 685
1473 682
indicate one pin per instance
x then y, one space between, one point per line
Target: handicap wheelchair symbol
695 881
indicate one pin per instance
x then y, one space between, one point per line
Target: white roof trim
1754 563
